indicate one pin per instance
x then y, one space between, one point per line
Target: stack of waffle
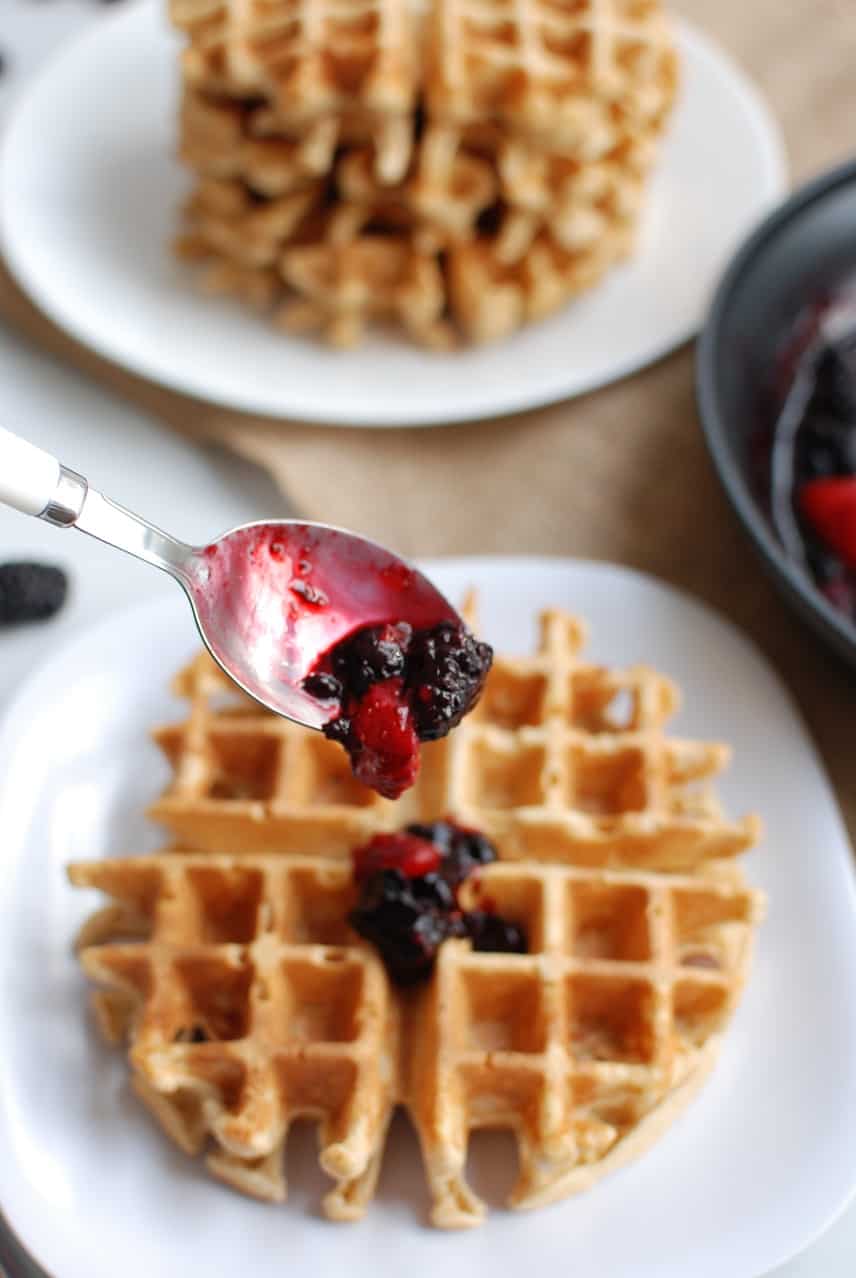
458 171
228 964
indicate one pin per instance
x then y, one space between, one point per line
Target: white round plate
758 1165
90 193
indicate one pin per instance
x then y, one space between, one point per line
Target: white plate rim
191 381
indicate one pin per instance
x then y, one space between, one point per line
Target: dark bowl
807 246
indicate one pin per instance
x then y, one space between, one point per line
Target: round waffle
228 965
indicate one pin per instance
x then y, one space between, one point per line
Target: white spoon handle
28 475
37 484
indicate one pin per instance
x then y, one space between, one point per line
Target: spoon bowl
272 597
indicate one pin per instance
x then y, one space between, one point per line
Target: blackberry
370 656
494 933
325 687
30 592
446 670
825 567
408 902
462 850
835 384
338 730
433 892
821 451
826 440
407 919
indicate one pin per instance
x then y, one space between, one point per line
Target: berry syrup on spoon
379 689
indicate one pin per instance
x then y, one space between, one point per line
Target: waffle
588 1046
227 963
248 1003
408 254
297 1021
229 224
476 165
561 761
572 76
226 139
316 63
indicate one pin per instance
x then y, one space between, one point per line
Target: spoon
269 598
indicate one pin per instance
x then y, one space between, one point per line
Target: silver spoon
269 598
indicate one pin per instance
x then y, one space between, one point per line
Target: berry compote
408 897
392 687
807 447
330 629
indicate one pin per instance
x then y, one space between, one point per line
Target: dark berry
492 932
339 730
440 833
396 688
463 850
434 892
30 592
835 384
824 565
821 451
446 670
408 903
369 656
404 923
323 686
818 459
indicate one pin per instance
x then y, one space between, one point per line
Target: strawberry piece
405 852
383 744
829 505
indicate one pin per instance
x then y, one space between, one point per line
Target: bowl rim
805 594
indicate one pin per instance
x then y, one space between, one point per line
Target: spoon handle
35 483
28 475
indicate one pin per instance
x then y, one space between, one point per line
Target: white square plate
759 1164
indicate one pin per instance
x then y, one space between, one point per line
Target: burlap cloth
620 474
